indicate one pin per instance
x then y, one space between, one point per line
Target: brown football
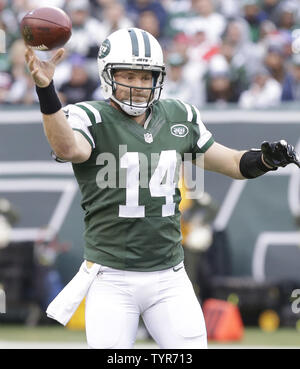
46 28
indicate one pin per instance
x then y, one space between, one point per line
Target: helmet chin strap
136 110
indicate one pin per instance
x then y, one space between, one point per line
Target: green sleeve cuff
208 144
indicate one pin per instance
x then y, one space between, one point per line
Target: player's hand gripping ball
46 28
279 154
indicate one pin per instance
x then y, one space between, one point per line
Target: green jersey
129 184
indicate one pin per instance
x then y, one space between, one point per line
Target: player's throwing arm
66 143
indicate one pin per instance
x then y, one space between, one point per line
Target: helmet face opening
131 49
155 90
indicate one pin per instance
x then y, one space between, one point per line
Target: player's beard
133 102
138 99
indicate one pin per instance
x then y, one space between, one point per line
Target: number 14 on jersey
164 172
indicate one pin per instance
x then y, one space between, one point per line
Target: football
46 28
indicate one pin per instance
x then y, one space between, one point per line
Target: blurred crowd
245 52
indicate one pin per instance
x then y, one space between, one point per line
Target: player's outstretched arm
252 163
221 159
66 144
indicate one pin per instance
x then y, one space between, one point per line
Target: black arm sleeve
252 166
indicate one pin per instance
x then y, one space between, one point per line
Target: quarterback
132 231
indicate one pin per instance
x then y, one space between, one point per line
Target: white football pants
165 300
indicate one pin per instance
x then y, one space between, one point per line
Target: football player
125 153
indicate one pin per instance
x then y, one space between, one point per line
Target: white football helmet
131 48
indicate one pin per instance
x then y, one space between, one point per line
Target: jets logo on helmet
104 49
133 49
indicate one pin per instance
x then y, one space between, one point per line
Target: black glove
279 154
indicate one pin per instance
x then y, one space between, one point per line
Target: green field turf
285 337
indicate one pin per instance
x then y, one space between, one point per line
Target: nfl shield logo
148 137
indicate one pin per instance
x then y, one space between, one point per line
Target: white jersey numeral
132 209
165 171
